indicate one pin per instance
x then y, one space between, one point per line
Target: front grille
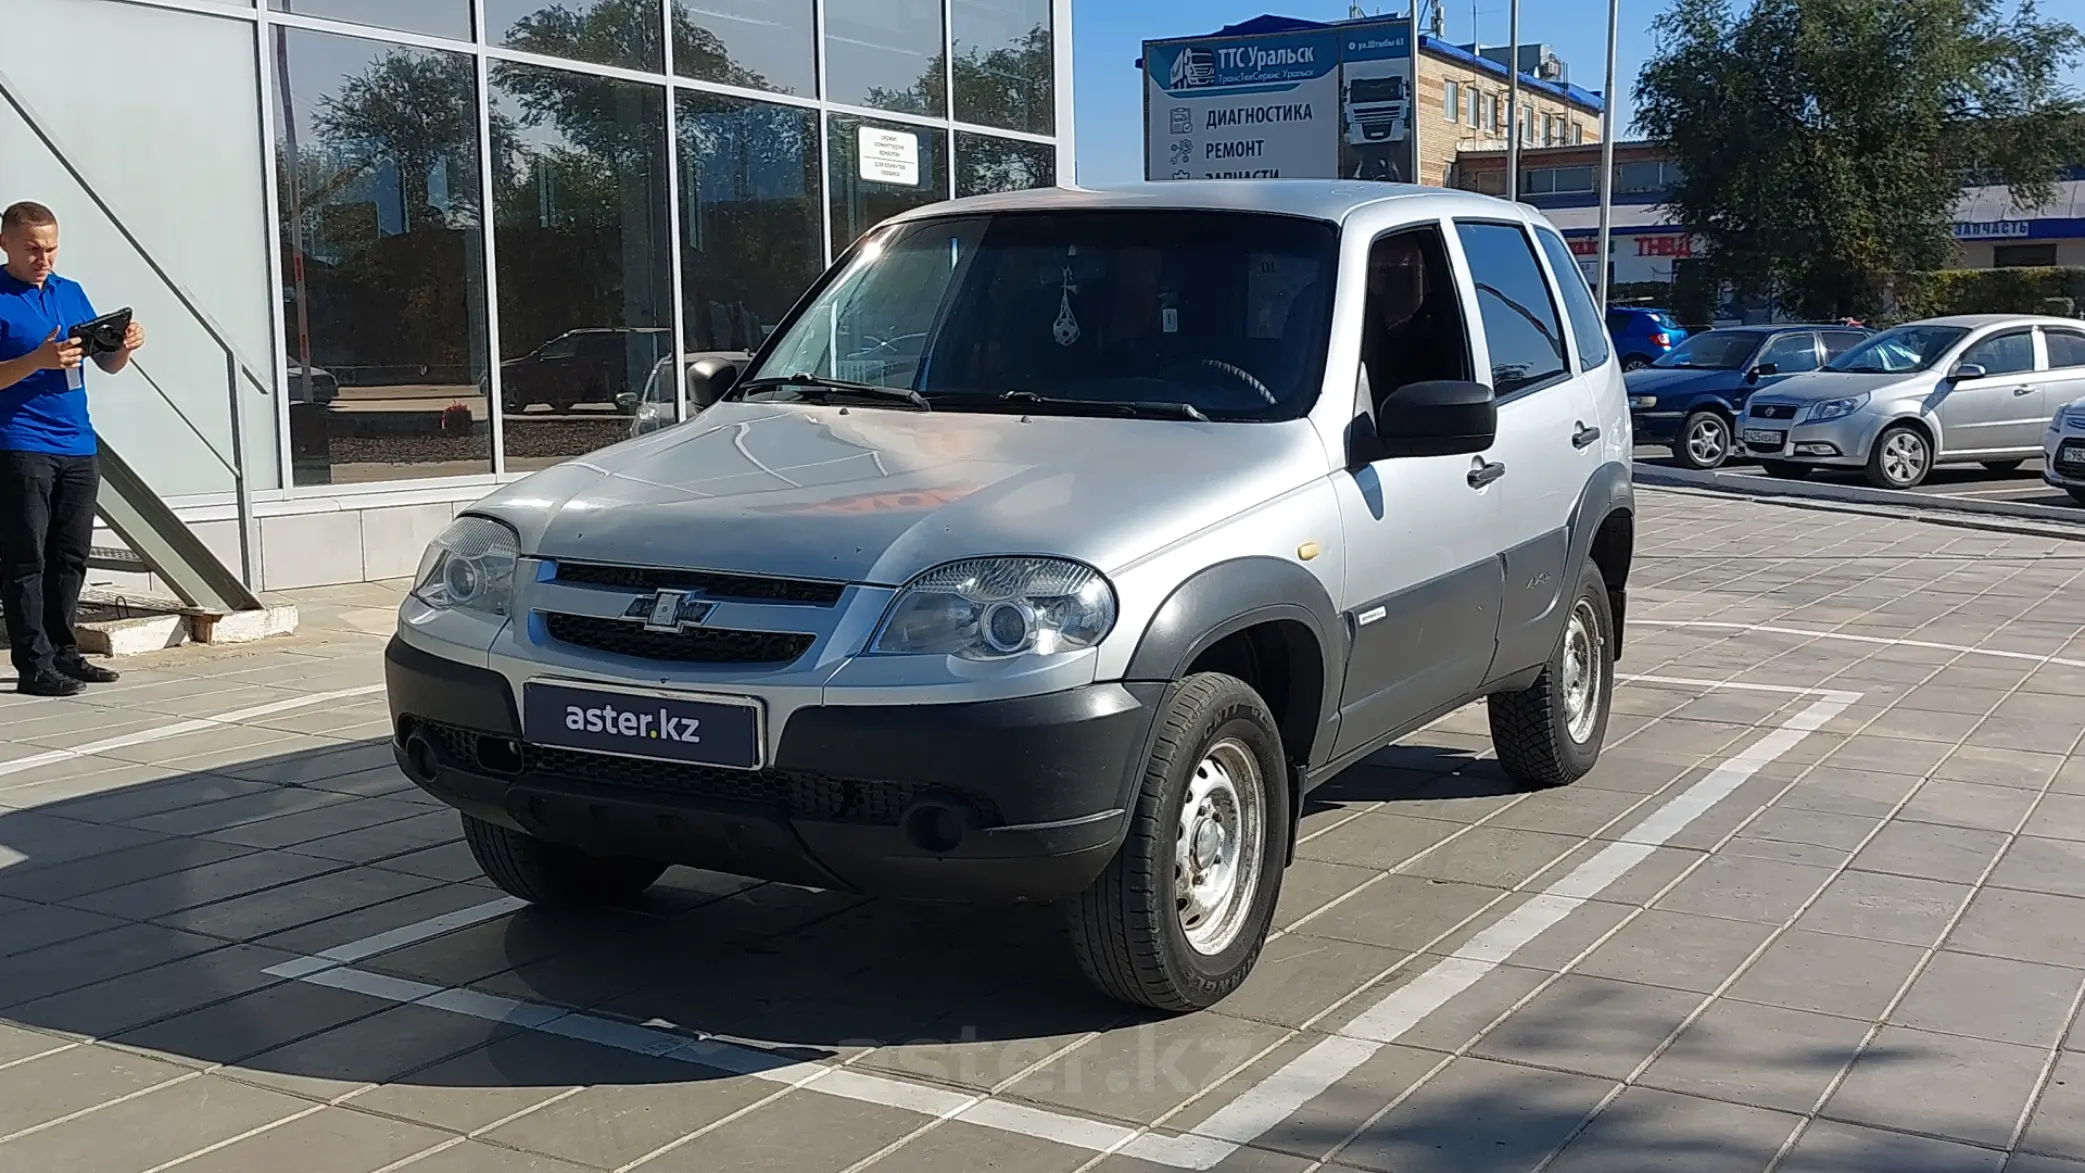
694 645
797 793
1772 411
2074 417
748 587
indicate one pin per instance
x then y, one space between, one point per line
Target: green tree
1824 143
418 111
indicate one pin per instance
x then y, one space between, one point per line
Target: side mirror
1443 417
626 402
708 380
1966 371
1762 371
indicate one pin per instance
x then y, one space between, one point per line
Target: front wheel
1902 458
555 874
1549 734
1177 919
1704 441
2077 495
1785 470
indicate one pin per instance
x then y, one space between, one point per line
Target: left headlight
1832 409
998 608
469 566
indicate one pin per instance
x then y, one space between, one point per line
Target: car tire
1143 931
2003 466
1705 441
555 874
1785 470
1549 734
1901 458
1635 362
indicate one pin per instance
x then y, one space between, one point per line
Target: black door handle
1584 436
1484 474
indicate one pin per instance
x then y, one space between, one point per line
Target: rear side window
2066 349
1838 342
1521 327
1578 301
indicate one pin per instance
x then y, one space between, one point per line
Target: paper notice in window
889 156
1272 286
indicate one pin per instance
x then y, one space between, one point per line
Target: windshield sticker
1066 328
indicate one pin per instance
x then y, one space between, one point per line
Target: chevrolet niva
1055 548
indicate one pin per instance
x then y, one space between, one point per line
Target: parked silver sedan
1974 389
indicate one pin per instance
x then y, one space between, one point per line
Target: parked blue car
1642 335
1691 395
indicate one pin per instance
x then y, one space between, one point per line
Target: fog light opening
421 765
938 827
1817 449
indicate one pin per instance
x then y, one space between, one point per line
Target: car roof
1975 321
1782 327
1321 199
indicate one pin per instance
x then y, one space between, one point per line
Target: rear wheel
1635 362
1785 470
1177 919
2003 466
1902 458
1704 441
1549 734
555 874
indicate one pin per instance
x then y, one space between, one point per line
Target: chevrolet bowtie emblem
669 610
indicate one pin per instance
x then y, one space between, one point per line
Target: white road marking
179 728
1850 637
1231 1127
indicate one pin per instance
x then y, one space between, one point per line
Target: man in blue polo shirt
49 473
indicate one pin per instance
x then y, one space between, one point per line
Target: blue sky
1108 35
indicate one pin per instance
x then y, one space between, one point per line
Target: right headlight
1832 409
998 608
470 565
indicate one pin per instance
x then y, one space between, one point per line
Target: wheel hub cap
1582 677
1903 458
1216 855
1705 442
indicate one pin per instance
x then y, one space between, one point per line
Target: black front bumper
999 800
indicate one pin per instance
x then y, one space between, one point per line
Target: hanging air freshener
1066 328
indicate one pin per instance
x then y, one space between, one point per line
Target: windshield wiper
811 382
1154 409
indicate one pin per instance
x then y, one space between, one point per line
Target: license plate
707 731
1763 436
2071 456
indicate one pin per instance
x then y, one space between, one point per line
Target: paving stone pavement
1820 908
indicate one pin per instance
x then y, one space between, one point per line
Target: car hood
1820 385
874 495
1664 381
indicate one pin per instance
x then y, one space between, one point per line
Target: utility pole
1513 101
1607 150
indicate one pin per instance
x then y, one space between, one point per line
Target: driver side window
2003 354
1413 330
1790 353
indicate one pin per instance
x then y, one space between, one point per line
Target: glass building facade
467 239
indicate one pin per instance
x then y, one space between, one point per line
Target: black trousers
46 531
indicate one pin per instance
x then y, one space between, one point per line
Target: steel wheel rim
1583 646
1903 458
1216 850
1708 440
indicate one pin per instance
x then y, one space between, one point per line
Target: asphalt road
2023 485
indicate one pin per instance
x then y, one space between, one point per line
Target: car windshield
1183 314
1899 351
1716 350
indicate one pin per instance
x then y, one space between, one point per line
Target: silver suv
1056 547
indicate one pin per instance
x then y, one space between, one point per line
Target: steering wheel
1240 374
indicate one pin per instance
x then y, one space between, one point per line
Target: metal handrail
236 368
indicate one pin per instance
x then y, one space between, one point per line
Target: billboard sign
1242 107
1378 137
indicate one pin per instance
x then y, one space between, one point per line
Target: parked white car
1973 389
2063 445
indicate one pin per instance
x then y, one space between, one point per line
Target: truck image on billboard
1320 103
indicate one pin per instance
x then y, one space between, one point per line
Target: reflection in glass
606 32
758 44
886 54
383 257
751 241
985 165
584 286
1005 65
902 167
436 18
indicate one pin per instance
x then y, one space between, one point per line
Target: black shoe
46 682
79 669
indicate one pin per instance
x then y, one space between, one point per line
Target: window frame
1564 333
1557 279
2078 337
